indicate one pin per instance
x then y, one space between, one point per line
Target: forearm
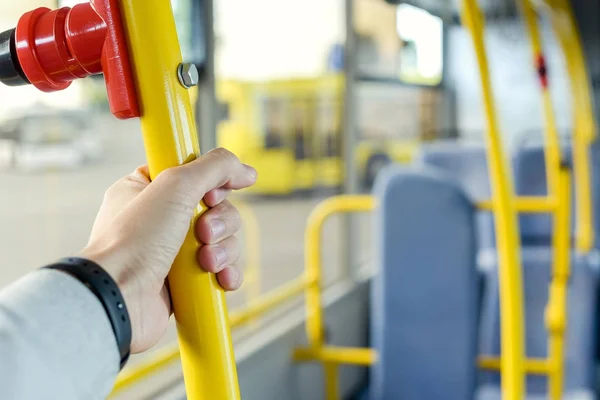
55 340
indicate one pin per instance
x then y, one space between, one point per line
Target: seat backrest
530 180
467 165
424 296
581 320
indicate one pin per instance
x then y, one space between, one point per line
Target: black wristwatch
95 278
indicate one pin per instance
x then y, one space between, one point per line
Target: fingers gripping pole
169 137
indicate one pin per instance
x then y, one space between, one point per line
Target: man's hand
142 225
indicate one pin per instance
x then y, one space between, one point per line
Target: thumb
218 168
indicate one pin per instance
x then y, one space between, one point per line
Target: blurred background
286 101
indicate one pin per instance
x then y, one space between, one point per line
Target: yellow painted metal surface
332 391
336 204
265 303
329 356
556 311
584 123
537 205
258 307
558 188
170 138
159 360
534 366
337 355
511 286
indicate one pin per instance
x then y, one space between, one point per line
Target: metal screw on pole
188 75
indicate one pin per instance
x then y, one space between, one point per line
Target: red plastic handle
115 62
59 46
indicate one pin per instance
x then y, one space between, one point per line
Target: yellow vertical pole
584 124
331 381
552 152
511 287
556 312
169 133
558 189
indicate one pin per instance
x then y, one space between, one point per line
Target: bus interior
424 224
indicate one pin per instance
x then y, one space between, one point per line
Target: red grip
56 47
115 62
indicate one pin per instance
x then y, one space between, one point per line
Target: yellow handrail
312 240
170 138
584 124
309 282
537 366
331 357
511 286
556 310
152 364
524 204
558 186
164 357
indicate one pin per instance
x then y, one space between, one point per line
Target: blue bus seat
530 180
424 312
581 328
466 164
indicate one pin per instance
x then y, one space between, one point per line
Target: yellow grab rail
164 357
558 186
331 357
584 124
170 138
312 257
154 363
536 366
524 204
337 355
511 286
309 282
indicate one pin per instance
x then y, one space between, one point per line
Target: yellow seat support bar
337 355
535 366
534 205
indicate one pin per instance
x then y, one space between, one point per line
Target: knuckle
234 243
226 156
236 218
172 177
113 189
175 181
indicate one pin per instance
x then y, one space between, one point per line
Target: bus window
421 54
272 125
328 134
300 130
398 43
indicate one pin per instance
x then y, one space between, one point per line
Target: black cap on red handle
11 73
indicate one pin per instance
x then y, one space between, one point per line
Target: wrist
100 283
116 263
